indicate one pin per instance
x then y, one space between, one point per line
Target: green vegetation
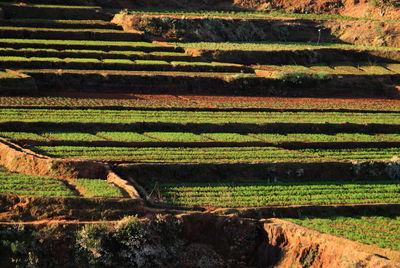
211 64
125 136
160 53
81 60
243 14
77 42
48 6
97 188
181 117
381 231
66 30
373 69
157 62
71 136
236 103
230 137
22 136
269 46
303 78
347 68
178 154
357 154
8 75
393 67
276 194
203 137
177 136
121 61
21 184
39 21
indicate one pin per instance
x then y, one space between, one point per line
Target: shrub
296 78
130 243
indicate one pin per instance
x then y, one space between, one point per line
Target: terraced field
381 231
279 194
21 184
201 125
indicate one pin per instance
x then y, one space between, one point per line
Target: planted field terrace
228 118
180 117
278 194
21 184
381 231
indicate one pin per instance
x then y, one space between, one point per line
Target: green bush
130 243
299 78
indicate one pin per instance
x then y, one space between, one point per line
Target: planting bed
21 184
214 117
178 154
380 231
277 194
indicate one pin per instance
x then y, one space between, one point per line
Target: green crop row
100 53
215 117
203 137
218 154
277 194
217 102
14 183
97 188
49 6
107 61
362 69
240 14
357 154
383 232
71 136
95 102
16 28
77 42
177 154
274 46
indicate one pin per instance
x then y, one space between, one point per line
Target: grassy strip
111 61
215 117
39 21
71 136
21 184
22 136
178 154
177 136
358 154
97 188
230 137
201 137
66 30
301 103
243 14
8 75
49 6
77 42
125 136
233 102
276 194
275 46
383 232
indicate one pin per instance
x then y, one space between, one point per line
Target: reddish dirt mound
303 247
